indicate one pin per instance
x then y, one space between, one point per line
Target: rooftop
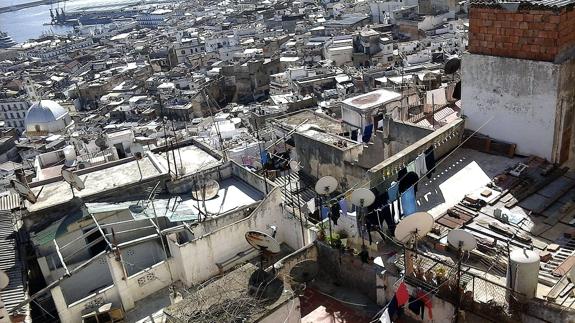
318 120
372 99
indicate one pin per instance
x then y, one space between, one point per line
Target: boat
6 41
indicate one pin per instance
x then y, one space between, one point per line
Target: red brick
538 18
528 17
518 17
523 25
555 19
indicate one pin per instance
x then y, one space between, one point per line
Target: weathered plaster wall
565 131
518 97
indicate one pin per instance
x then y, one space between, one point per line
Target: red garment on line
426 300
402 295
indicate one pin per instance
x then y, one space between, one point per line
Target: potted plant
343 237
440 275
321 231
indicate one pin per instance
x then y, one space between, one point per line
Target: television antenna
362 198
463 241
325 186
74 180
295 167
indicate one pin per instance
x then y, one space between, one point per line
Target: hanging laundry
393 308
264 157
385 317
427 301
324 212
343 206
420 167
392 191
311 205
402 172
410 179
416 306
411 167
335 212
389 217
354 135
408 204
402 295
367 133
430 161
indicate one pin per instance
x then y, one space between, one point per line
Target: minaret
30 88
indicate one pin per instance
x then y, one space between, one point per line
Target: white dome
46 116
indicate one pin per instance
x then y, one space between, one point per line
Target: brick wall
540 35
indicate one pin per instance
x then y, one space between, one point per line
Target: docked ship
6 41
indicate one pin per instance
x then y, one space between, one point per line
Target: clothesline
429 171
415 300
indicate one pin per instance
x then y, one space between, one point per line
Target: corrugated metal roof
525 4
11 264
9 202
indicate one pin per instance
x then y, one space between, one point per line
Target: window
11 115
183 51
8 124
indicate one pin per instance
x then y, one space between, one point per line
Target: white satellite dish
462 239
263 242
4 280
73 179
414 226
206 190
24 191
362 197
294 166
326 185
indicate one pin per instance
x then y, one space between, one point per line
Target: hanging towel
411 167
402 172
367 133
343 206
416 306
429 161
324 212
311 205
392 191
385 317
420 166
402 295
408 204
410 179
393 308
335 212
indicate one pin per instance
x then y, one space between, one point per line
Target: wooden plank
565 266
448 223
556 290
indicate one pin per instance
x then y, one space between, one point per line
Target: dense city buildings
287 161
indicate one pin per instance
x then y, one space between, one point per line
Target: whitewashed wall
519 95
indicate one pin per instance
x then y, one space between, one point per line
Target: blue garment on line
367 133
324 212
264 157
343 206
408 204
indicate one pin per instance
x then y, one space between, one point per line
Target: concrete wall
200 256
152 279
565 132
519 97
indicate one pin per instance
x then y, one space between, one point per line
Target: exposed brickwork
529 34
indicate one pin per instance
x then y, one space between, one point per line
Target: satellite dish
136 208
362 197
137 150
206 190
294 166
413 226
452 65
304 271
326 185
73 179
262 241
4 280
24 191
462 239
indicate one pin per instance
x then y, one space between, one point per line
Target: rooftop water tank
69 155
523 273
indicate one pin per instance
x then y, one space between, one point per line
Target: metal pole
458 301
300 214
